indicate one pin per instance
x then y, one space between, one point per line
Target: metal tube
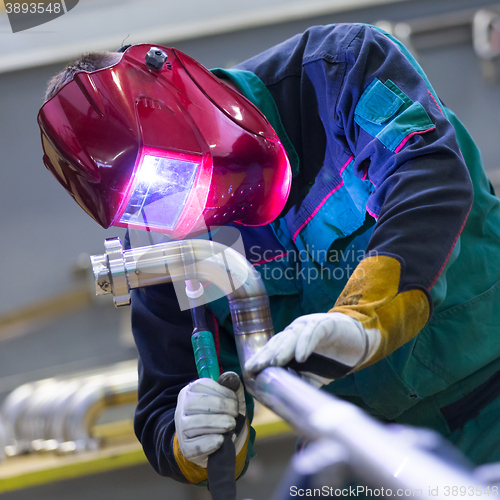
12 411
194 259
32 422
88 402
378 452
3 441
58 414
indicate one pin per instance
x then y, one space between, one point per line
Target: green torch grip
205 355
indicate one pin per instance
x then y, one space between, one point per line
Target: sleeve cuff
192 472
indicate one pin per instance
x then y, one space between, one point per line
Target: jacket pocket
385 112
411 121
377 104
462 339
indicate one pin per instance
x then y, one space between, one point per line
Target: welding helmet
157 142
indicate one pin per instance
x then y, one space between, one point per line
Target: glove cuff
196 474
192 472
375 300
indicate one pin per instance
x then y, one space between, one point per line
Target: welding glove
205 411
333 335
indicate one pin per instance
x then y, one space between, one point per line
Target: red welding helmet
163 146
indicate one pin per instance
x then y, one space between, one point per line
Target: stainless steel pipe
391 456
58 414
382 455
87 404
116 272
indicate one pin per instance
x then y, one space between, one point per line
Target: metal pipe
59 404
116 271
30 425
379 453
89 401
59 414
12 412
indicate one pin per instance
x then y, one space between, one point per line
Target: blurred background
52 328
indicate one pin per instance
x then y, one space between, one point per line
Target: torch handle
205 354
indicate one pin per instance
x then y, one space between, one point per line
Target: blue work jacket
380 169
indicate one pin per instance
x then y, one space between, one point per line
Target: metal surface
213 262
383 455
252 324
3 440
114 254
380 454
101 274
89 401
12 411
58 414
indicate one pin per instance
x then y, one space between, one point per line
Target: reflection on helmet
159 192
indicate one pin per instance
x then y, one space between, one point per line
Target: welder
360 199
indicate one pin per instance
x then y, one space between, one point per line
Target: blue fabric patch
378 103
392 86
384 111
413 119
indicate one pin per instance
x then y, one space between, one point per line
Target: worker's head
152 140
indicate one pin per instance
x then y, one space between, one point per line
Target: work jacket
390 220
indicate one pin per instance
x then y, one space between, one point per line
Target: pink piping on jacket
371 213
323 201
439 107
409 136
451 250
345 164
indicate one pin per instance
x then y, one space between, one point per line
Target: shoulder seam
362 27
339 57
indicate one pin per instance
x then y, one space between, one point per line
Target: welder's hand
334 335
205 411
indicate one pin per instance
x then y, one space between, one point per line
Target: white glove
205 411
334 335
